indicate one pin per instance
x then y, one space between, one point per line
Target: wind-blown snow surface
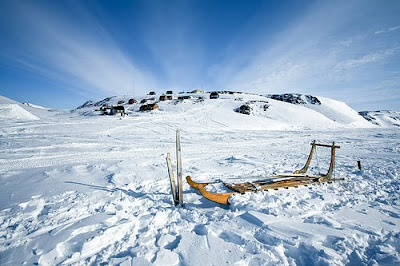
92 190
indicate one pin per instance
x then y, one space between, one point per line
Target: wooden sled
298 178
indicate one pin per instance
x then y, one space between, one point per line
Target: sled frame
333 147
298 178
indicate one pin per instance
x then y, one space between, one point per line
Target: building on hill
106 111
132 101
214 95
118 109
185 97
148 107
165 97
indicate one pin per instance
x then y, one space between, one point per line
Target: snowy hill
244 111
12 110
382 118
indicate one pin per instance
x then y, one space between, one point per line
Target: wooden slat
326 145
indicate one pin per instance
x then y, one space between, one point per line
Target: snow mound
15 112
382 118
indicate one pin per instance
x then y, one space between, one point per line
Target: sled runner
298 178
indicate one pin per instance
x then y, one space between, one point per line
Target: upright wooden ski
172 180
176 189
179 167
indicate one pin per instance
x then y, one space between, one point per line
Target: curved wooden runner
242 188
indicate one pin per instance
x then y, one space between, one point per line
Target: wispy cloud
366 59
321 53
83 57
387 30
394 28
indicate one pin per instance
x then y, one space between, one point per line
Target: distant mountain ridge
382 118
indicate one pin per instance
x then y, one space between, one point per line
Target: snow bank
15 112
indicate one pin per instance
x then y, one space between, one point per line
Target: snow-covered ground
94 189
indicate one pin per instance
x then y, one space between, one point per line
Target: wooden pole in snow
179 167
172 179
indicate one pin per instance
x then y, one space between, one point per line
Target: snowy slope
334 110
12 111
382 118
339 112
91 190
266 113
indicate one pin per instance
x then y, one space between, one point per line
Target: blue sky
62 53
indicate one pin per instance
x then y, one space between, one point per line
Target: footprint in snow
200 230
232 237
